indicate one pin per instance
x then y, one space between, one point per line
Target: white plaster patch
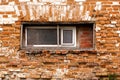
60 72
45 0
79 0
115 3
97 29
8 20
119 35
98 6
4 49
113 22
21 75
7 0
1 22
4 72
98 3
24 0
31 13
17 10
37 4
14 70
64 11
11 3
1 29
102 41
1 16
35 1
70 14
57 3
80 3
10 15
23 10
109 25
81 8
117 45
53 1
6 8
15 19
87 17
112 25
118 32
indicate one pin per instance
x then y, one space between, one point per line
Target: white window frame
73 36
73 28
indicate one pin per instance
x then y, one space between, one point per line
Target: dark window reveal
57 35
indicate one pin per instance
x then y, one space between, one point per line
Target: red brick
5 16
6 32
14 63
115 12
107 2
4 60
75 61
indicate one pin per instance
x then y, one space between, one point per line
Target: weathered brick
4 60
44 64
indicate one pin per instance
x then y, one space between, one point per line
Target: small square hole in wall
57 35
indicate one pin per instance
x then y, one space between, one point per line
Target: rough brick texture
16 64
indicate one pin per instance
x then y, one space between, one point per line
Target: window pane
32 37
48 36
42 36
67 36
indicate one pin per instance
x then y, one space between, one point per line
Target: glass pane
32 37
67 36
48 36
42 36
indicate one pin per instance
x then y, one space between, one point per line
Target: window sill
55 50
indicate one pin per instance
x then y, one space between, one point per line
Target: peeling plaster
117 45
118 32
31 13
98 6
51 12
1 29
23 9
113 22
23 0
87 17
11 3
79 0
115 3
110 25
97 29
6 8
17 10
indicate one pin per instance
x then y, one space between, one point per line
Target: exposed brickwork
60 64
86 37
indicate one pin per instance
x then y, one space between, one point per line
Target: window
55 35
49 36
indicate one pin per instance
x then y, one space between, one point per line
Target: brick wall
16 64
